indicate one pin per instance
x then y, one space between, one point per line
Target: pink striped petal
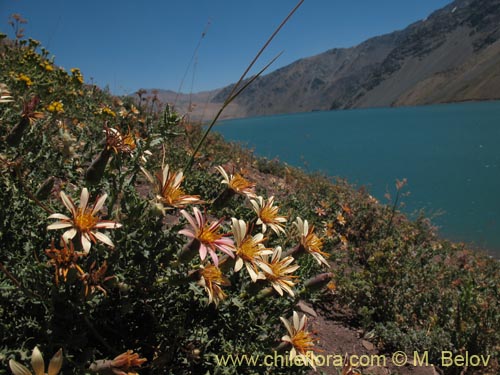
214 257
203 251
187 233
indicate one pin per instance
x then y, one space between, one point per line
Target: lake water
449 153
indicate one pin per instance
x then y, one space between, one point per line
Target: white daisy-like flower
85 221
249 249
267 214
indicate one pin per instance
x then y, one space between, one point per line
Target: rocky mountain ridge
452 55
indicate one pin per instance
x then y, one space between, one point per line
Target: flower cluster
55 107
24 78
84 225
301 340
262 263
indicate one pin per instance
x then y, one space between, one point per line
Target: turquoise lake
450 155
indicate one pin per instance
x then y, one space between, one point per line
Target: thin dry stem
236 90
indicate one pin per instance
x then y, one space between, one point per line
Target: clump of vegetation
133 248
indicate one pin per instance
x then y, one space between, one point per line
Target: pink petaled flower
85 221
207 235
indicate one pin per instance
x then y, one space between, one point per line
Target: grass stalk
236 90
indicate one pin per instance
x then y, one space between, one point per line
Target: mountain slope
453 55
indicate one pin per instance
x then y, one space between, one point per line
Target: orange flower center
85 220
239 184
208 235
313 243
248 249
129 141
172 194
303 342
268 214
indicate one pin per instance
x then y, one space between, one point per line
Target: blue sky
128 45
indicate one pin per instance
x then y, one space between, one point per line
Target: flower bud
45 189
318 282
96 170
16 133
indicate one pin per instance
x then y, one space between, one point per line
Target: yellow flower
77 75
301 340
212 279
310 242
108 111
168 188
249 249
47 66
85 221
24 78
38 364
278 271
55 107
237 183
268 215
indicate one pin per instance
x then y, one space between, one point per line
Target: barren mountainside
452 55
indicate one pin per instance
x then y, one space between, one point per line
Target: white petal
148 175
98 205
277 287
58 216
37 362
107 224
238 264
288 326
68 202
69 234
103 238
164 175
56 363
84 198
86 244
59 225
18 369
253 275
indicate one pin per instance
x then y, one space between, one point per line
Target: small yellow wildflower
55 107
108 111
77 75
47 66
24 78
